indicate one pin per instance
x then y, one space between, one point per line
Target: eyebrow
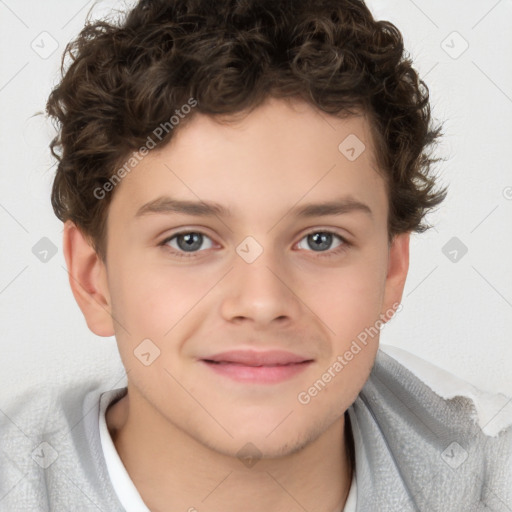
169 205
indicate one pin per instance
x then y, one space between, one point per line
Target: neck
173 471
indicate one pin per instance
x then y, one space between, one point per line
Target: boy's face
254 281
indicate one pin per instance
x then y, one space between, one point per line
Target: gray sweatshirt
414 450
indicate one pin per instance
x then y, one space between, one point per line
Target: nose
260 293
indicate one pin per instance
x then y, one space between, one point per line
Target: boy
238 182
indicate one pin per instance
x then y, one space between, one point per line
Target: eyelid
326 229
186 229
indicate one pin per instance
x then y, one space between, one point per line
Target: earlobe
398 267
88 280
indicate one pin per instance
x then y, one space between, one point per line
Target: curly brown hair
127 77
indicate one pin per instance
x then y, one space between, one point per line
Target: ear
398 266
88 281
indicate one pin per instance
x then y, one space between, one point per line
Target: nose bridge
261 268
259 284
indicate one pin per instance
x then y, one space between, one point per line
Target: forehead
280 154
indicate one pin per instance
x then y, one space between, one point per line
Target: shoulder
49 441
444 448
422 383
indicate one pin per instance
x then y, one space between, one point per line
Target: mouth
257 367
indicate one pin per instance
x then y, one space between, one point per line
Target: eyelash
322 254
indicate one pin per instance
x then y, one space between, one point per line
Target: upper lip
255 358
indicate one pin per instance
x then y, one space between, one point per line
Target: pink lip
257 367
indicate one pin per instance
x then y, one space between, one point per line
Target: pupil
324 240
191 241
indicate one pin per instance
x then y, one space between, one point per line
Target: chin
267 442
249 451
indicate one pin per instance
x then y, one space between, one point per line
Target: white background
455 315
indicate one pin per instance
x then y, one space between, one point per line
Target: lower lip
258 374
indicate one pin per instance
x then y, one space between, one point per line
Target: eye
186 242
321 242
189 243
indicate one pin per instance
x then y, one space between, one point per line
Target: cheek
350 306
158 301
350 298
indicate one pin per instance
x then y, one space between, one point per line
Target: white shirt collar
121 481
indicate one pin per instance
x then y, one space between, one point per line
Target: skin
179 428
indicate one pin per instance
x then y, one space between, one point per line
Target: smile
257 374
